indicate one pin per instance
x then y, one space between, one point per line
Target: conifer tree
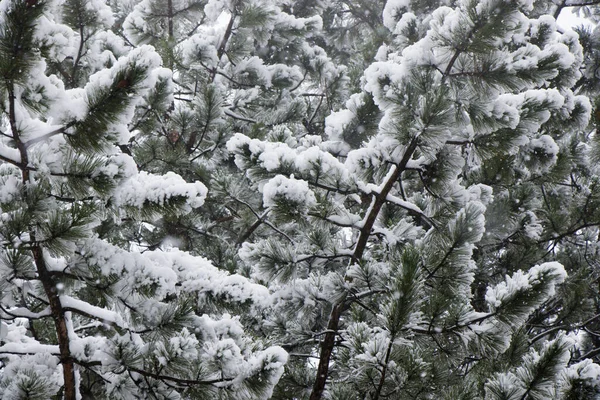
449 251
312 199
86 312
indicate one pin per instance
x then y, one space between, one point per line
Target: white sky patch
568 20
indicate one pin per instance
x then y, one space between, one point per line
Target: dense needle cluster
299 199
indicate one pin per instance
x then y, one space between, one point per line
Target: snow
284 172
288 21
28 348
10 187
532 228
507 108
170 272
403 204
553 269
101 11
9 153
586 370
562 54
518 282
545 144
253 67
143 57
281 188
59 39
273 156
22 312
91 311
158 189
198 275
482 193
336 123
407 20
22 372
213 8
392 12
521 281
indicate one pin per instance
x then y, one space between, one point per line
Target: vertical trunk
170 18
388 353
42 270
326 350
223 45
60 323
365 233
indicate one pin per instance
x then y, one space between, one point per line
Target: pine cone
123 83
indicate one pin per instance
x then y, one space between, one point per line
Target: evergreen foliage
299 199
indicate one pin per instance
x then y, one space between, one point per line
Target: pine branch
383 372
82 41
570 328
223 44
22 312
263 219
22 349
48 135
239 117
158 376
341 305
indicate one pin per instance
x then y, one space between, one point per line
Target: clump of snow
10 188
505 109
23 372
101 314
544 144
254 69
284 75
309 24
288 189
560 53
545 23
213 8
404 23
537 102
308 159
198 275
392 12
521 281
518 282
169 272
585 370
271 360
336 123
57 38
102 12
532 226
482 193
526 4
158 189
144 58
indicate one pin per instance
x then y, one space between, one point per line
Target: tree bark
38 256
340 306
58 315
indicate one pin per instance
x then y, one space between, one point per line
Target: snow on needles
170 272
158 189
288 189
392 12
521 281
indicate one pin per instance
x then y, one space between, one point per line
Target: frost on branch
163 191
520 294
